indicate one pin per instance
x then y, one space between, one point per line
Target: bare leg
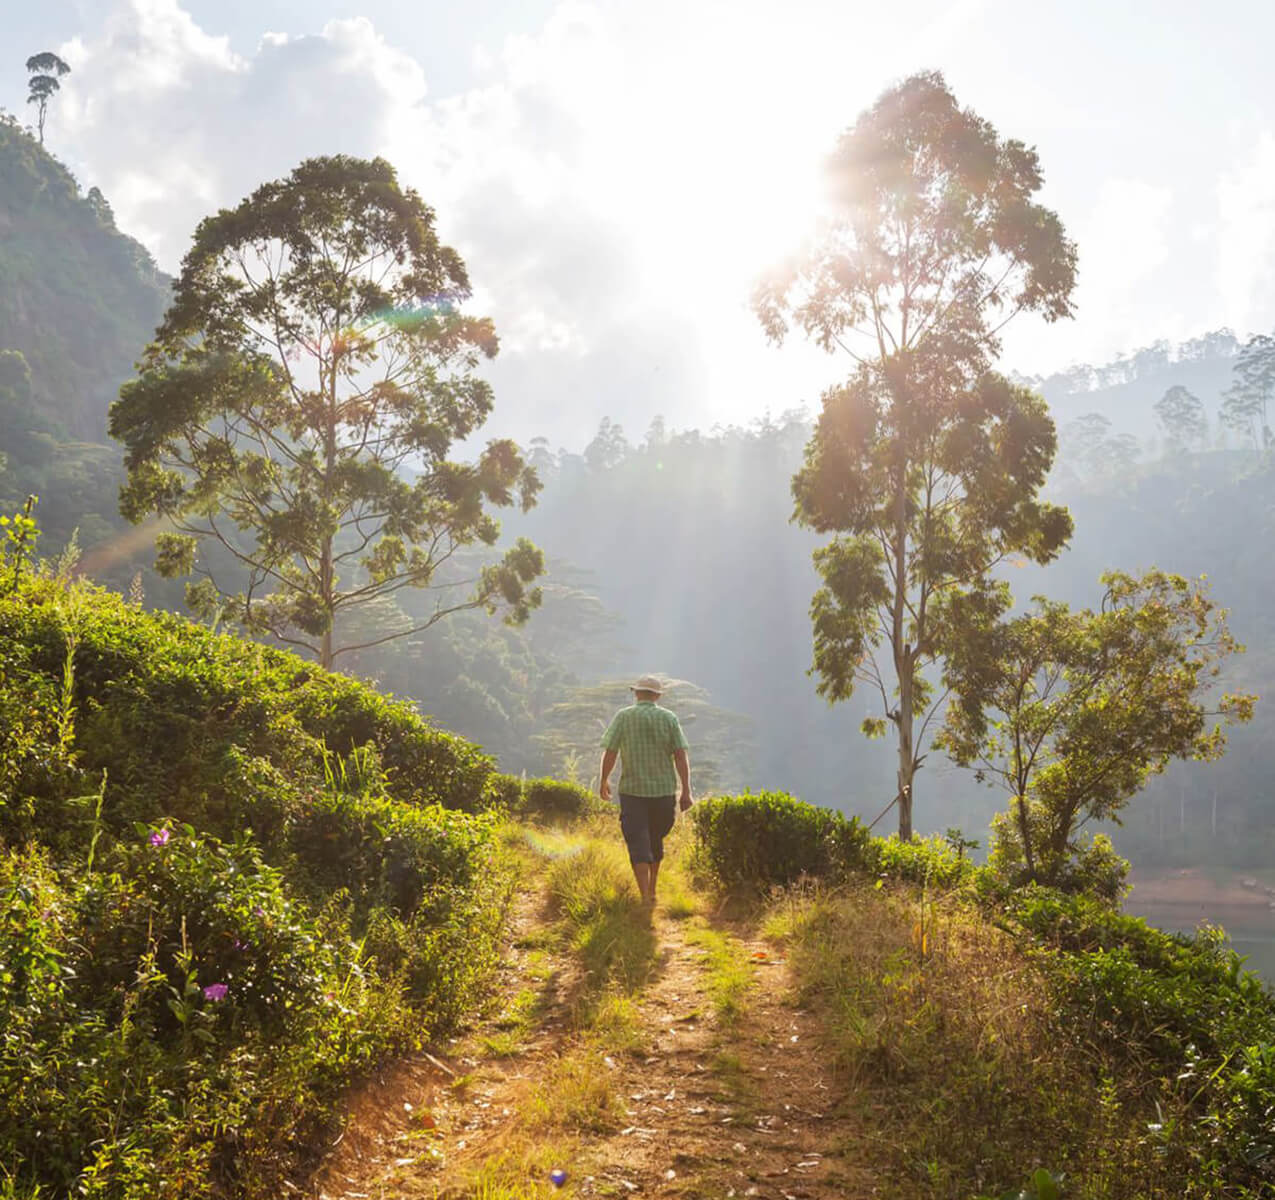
655 874
643 874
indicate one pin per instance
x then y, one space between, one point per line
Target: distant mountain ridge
1126 389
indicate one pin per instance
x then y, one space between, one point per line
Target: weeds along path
641 1056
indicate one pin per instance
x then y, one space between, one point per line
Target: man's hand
686 800
604 773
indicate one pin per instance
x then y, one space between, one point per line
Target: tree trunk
1024 832
325 584
907 760
902 656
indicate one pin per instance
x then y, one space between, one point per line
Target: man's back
646 737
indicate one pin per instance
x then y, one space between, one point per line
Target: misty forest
309 885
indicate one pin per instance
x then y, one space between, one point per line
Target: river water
1239 901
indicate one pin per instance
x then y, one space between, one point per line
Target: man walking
652 749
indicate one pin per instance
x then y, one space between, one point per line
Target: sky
617 173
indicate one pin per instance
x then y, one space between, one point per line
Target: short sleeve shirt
645 736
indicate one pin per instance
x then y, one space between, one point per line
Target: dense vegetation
230 882
80 299
1167 1031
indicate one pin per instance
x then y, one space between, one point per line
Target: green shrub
1182 1009
159 1009
556 798
932 861
267 896
504 793
210 729
757 841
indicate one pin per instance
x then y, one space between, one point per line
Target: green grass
577 1094
521 1171
503 1044
603 922
617 1024
728 976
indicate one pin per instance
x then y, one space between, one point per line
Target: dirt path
700 1103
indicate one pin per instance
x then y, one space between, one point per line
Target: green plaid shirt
645 736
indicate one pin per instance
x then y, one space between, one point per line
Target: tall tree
46 70
298 406
1089 447
924 464
1182 417
608 447
1247 400
1072 712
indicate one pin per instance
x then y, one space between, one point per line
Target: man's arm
682 761
608 764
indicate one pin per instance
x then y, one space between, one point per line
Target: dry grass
941 1031
577 1094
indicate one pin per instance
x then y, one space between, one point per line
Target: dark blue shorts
645 822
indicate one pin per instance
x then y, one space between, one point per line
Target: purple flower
160 837
240 945
215 991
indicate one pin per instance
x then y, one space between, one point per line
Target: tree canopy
924 464
1072 711
1245 408
1182 417
298 407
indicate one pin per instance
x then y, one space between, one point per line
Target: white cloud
615 182
171 124
1246 238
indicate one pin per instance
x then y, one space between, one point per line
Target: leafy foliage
557 798
226 888
1250 395
1182 417
80 300
1181 1009
1071 712
756 841
315 358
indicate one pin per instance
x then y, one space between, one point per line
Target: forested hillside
79 300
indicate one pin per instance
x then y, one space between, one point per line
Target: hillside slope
229 884
78 298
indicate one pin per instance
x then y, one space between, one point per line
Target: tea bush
227 731
1182 1007
556 798
229 883
757 841
504 793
